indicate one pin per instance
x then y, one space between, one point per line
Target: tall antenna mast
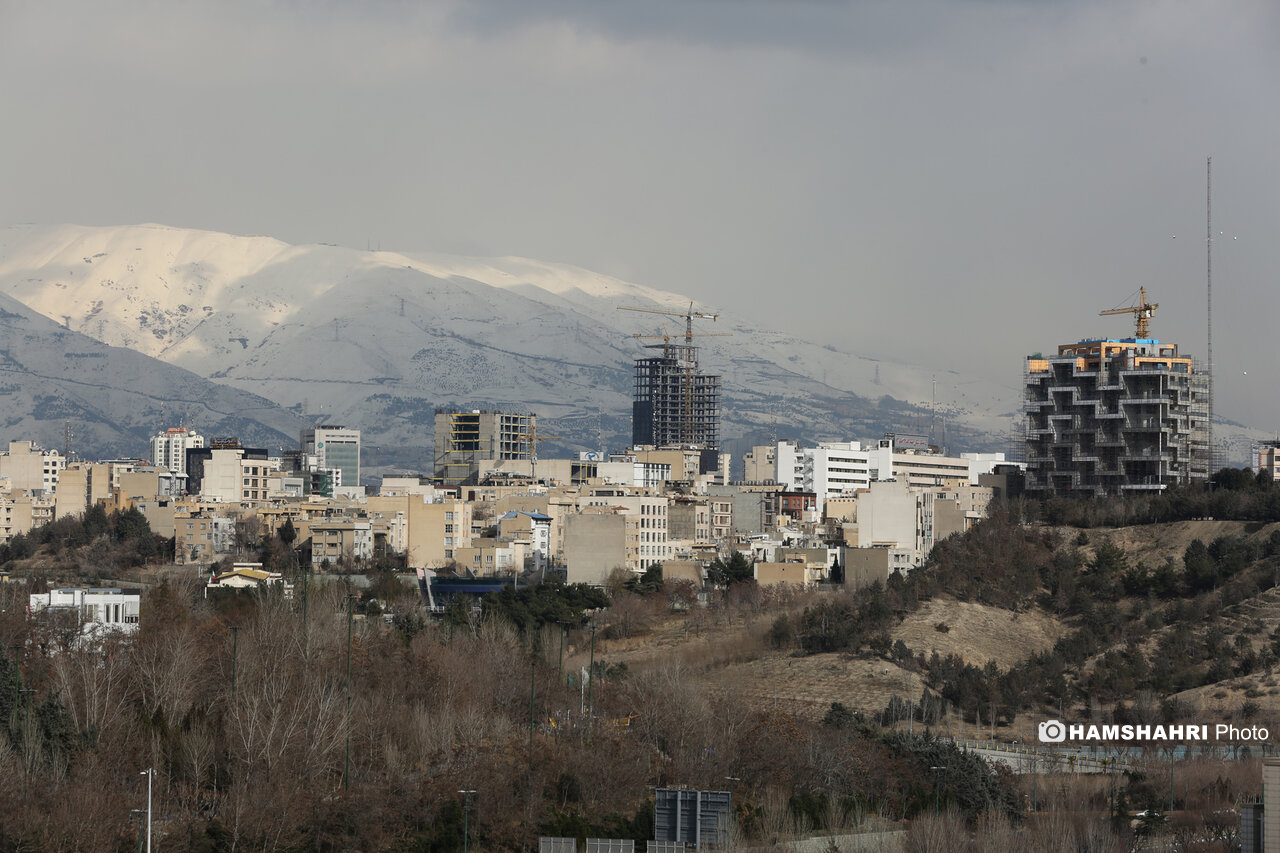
1208 273
933 410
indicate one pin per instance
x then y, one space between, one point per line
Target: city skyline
955 168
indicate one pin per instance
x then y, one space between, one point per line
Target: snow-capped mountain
114 398
377 340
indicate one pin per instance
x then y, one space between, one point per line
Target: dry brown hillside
731 656
1154 543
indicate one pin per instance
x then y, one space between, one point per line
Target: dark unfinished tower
1111 416
675 404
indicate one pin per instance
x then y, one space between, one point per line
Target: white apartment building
169 448
841 469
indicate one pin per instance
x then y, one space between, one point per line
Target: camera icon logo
1051 731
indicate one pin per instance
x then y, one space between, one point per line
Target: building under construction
676 405
465 439
1115 415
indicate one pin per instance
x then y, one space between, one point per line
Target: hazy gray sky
952 183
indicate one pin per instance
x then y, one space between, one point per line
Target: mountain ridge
114 397
379 339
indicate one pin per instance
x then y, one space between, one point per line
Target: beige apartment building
595 543
31 468
231 478
21 512
343 542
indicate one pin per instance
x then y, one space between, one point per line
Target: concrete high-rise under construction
1115 415
676 404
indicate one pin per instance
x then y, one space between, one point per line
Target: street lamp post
150 774
138 815
466 813
937 787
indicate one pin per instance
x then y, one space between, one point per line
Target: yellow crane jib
1143 312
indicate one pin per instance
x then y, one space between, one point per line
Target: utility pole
561 675
1035 781
591 683
533 669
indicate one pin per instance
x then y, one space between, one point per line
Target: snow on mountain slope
114 398
378 339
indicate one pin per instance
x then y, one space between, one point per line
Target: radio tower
1208 273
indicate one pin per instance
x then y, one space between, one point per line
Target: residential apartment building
227 479
436 531
169 448
532 529
202 533
646 528
842 469
1111 416
340 542
231 475
30 467
760 464
22 512
487 556
595 543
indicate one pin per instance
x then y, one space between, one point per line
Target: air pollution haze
949 184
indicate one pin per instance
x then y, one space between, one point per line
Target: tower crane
1144 311
665 337
689 316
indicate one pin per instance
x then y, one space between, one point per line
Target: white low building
97 611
